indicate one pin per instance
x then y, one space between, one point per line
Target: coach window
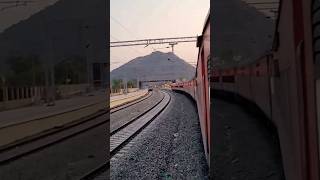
205 89
316 54
210 70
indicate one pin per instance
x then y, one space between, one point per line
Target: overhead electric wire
126 29
123 27
114 38
123 56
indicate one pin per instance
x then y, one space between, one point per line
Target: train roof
206 21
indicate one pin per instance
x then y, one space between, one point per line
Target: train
199 87
284 84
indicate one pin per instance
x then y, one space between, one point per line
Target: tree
116 85
132 83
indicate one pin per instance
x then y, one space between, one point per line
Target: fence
13 97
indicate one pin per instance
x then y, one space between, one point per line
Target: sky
144 19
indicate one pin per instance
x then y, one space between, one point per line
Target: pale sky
143 19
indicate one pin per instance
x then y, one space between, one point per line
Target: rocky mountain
155 66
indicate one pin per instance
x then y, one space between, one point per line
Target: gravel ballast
123 116
169 148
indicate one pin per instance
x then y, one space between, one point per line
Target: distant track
134 119
29 145
130 103
123 135
51 137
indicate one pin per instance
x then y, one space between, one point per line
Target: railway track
45 139
124 134
130 103
137 117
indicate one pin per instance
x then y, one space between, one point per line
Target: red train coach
285 85
187 87
198 87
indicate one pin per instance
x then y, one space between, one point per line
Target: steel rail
105 166
54 132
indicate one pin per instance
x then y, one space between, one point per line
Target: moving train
198 88
284 84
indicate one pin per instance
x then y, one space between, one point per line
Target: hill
155 66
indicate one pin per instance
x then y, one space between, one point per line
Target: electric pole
49 72
172 45
84 30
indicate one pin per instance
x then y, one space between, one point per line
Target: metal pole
84 35
88 47
138 83
125 86
47 82
50 87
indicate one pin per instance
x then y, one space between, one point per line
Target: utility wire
123 27
114 38
126 29
128 46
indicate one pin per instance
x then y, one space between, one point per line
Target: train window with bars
316 36
210 75
210 68
316 55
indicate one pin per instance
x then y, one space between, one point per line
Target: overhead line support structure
147 42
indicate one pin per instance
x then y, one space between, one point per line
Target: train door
205 97
210 109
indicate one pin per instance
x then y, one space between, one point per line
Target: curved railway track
50 137
135 118
124 134
130 103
